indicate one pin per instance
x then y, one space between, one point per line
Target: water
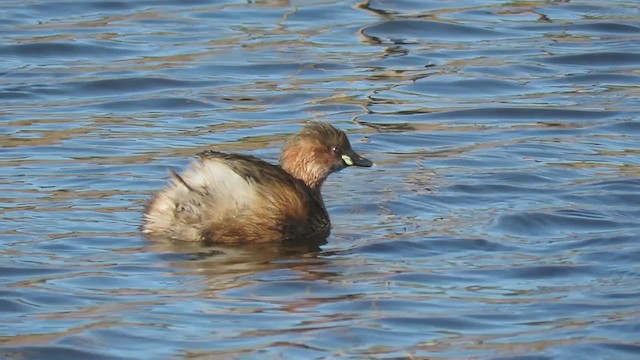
502 219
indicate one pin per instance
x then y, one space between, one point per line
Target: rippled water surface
502 219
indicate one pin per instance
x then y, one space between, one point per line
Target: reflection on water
501 220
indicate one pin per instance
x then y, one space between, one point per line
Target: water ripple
606 59
64 50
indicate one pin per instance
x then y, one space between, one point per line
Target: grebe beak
350 158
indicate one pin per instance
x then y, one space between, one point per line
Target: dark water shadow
51 352
224 266
403 30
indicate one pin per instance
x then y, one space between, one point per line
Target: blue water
501 221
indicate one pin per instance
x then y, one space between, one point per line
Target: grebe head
318 150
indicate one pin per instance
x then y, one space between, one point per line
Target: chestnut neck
306 162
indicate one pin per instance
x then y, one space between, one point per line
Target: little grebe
235 198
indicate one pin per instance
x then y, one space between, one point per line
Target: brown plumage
231 198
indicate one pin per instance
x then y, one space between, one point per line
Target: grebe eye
334 149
